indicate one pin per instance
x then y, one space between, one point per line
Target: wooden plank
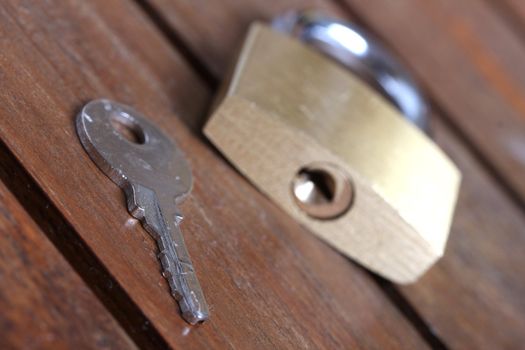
269 284
214 33
470 61
472 297
44 302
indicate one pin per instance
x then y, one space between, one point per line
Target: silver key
155 177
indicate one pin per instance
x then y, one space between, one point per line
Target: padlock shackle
361 53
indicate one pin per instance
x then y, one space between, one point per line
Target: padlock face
335 155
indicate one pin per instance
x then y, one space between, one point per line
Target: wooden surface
44 302
269 283
261 272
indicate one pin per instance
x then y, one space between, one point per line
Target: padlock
333 151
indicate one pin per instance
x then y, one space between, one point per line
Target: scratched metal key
155 177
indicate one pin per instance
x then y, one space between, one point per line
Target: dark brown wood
268 282
477 287
473 297
214 32
44 303
511 10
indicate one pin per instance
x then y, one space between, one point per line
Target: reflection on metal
322 190
154 176
357 50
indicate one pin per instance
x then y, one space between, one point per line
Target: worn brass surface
286 106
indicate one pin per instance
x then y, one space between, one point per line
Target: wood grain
471 299
269 283
44 303
214 32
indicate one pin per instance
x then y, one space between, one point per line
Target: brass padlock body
285 107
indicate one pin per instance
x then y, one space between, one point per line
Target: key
155 178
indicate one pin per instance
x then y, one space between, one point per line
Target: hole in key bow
128 128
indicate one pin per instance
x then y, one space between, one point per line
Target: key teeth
178 218
176 295
195 318
177 270
168 275
132 200
138 198
136 211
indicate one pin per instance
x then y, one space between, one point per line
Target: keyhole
322 190
315 186
128 128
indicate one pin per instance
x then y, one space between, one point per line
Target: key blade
161 219
192 302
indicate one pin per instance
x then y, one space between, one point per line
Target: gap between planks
179 44
78 255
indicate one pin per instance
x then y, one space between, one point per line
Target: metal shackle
357 50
